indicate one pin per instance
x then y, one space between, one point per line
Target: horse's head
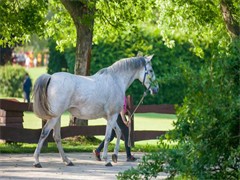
147 76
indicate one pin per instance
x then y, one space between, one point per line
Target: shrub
206 133
11 80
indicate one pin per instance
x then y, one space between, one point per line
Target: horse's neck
127 78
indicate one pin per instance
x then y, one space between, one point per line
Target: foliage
20 19
206 133
57 61
199 23
207 130
115 17
49 19
11 80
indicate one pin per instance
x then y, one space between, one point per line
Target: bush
206 133
11 80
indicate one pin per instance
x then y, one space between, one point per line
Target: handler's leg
45 132
57 138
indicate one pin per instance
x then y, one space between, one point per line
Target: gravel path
19 166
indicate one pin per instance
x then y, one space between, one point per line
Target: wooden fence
11 123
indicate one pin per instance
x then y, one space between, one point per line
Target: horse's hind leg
44 134
57 138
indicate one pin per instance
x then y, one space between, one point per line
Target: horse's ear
140 54
149 58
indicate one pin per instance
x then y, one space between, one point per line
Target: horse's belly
87 114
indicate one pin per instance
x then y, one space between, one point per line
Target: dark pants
125 131
27 96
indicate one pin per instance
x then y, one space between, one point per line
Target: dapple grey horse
88 97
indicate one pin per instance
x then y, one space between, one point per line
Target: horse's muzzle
154 90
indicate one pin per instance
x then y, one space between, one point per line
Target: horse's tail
41 105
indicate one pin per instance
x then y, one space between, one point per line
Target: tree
228 9
50 19
205 138
20 19
117 13
83 14
16 25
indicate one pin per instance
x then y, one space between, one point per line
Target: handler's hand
127 123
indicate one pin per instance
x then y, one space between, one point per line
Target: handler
124 126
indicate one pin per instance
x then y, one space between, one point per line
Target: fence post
130 103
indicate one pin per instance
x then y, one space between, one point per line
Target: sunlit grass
34 73
146 121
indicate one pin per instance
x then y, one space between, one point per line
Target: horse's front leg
117 145
44 134
111 123
106 142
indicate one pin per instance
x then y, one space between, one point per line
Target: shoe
131 159
97 155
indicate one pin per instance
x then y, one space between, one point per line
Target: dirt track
19 166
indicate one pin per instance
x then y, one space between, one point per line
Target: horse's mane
124 64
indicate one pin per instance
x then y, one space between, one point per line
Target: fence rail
11 128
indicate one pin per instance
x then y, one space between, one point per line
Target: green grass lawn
34 73
146 121
142 121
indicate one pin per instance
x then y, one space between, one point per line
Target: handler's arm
122 113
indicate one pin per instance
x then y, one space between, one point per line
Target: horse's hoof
70 164
38 165
108 164
114 158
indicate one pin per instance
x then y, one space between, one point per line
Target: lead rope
129 127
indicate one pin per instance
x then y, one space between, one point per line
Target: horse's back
87 97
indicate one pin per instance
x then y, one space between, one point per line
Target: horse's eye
150 70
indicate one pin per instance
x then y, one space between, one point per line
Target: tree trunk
232 25
82 14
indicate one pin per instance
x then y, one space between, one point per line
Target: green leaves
198 22
19 20
11 81
207 129
118 17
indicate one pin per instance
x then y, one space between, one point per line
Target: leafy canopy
51 19
20 19
198 22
